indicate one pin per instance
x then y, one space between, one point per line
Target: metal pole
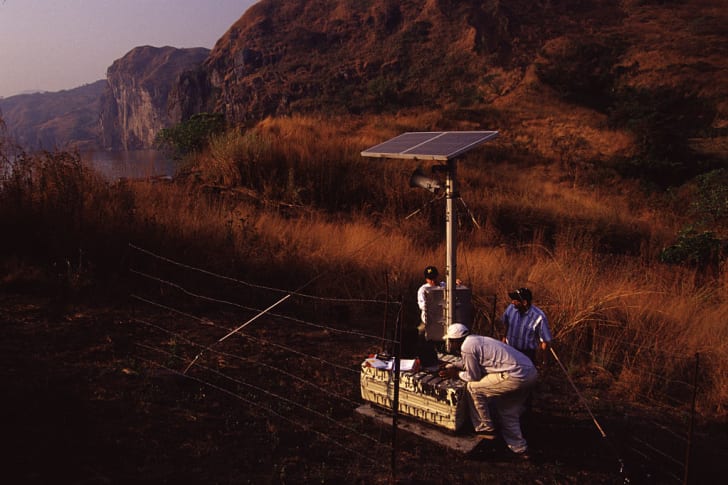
386 304
594 419
451 242
395 399
692 419
576 390
492 315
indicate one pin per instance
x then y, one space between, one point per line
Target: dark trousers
426 349
531 354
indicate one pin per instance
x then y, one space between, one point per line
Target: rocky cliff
137 103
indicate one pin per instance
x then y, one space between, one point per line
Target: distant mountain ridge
64 119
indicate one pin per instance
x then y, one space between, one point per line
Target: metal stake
237 329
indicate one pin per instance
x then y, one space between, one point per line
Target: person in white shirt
431 276
427 350
493 371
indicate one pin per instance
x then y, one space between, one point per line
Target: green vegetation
703 241
710 206
381 91
693 247
663 121
584 72
190 135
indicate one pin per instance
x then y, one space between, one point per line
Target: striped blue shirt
526 330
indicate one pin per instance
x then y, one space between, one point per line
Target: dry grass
317 207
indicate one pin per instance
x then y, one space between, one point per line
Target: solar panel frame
429 145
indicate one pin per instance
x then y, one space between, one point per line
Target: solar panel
430 145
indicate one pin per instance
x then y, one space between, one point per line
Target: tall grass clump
235 159
45 203
308 161
60 219
57 214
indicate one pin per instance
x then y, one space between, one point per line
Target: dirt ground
83 406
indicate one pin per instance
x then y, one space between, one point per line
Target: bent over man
493 371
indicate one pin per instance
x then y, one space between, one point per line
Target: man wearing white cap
492 370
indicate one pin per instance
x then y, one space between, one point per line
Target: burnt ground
82 404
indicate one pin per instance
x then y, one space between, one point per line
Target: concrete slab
464 444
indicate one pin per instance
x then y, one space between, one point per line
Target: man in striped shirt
527 328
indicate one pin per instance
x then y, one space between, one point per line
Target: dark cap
521 294
431 272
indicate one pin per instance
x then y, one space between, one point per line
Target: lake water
132 164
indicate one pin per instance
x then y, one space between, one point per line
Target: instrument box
422 395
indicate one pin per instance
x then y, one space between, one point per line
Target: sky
53 45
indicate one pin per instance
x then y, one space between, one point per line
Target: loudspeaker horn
419 179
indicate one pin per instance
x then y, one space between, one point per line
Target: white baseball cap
457 330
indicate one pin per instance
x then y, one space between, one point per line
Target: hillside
284 56
607 80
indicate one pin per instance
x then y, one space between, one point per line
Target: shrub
698 248
382 92
710 206
191 135
583 73
663 121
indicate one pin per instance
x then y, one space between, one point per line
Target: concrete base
463 444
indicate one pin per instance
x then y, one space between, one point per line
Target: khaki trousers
508 394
